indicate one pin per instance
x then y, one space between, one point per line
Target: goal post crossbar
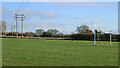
96 36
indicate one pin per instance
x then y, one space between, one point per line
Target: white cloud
94 22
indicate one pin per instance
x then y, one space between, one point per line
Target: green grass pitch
35 52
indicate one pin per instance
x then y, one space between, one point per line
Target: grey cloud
81 4
65 28
42 24
41 14
8 14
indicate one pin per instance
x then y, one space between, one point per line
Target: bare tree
3 27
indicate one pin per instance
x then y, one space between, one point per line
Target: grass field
34 52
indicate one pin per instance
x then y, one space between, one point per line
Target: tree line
83 33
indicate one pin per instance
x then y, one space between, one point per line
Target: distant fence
26 37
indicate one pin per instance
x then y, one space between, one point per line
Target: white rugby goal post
99 35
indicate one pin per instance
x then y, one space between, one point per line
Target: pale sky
64 16
60 0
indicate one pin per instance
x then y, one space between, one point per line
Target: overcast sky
64 16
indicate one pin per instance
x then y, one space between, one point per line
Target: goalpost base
103 44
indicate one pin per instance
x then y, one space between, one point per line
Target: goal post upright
110 37
94 38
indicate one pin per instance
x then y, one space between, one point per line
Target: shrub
47 34
82 36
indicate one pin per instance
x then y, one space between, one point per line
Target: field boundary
26 37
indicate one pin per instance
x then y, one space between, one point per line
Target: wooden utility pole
12 30
19 17
22 16
16 18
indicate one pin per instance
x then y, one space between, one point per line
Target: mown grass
34 52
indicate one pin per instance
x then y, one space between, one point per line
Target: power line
20 7
23 6
26 5
19 17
